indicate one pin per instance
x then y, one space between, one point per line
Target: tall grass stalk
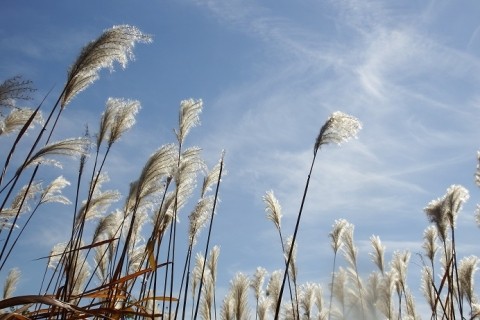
338 128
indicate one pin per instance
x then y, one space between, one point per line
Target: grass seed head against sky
270 74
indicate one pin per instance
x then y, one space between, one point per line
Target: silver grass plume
410 306
160 165
11 283
189 117
337 234
273 286
430 236
197 272
175 200
96 206
211 178
191 163
68 147
399 265
338 289
77 275
319 303
140 220
466 274
427 287
106 122
136 257
350 251
118 117
55 254
372 294
124 117
108 226
207 299
336 243
199 217
443 212
307 299
454 199
101 261
53 192
257 282
226 312
385 304
15 88
264 305
16 119
81 273
288 311
212 262
273 209
19 203
378 253
239 289
447 255
339 127
114 45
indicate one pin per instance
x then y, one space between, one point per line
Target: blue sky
270 73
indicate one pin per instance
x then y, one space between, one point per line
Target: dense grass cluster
132 266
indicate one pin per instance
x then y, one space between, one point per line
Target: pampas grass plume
114 45
11 283
340 127
273 209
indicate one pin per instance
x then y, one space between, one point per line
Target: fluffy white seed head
189 117
273 209
11 283
114 45
340 127
337 234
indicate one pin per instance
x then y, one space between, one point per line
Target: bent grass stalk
339 127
